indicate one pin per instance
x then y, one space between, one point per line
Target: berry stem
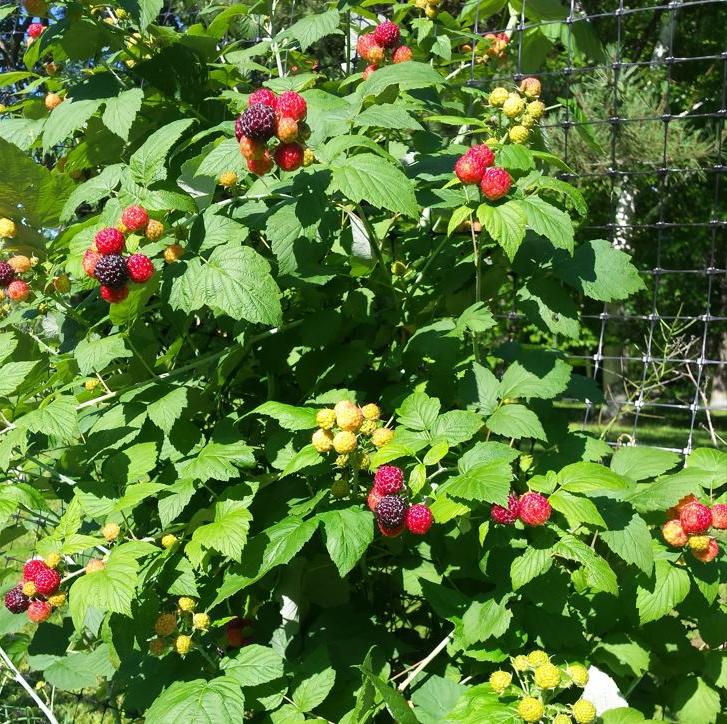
31 691
423 663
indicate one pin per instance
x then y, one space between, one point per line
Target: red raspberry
289 156
90 257
32 568
369 49
677 509
18 290
7 274
368 71
419 519
674 534
495 183
506 516
373 499
402 54
484 153
35 30
47 582
239 632
388 480
264 96
469 169
695 518
387 34
719 516
291 105
251 150
134 218
16 601
391 532
39 611
534 509
113 295
140 268
710 554
109 241
260 166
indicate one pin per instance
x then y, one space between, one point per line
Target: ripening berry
695 518
140 268
344 442
373 412
109 241
113 295
35 30
287 130
168 540
95 565
469 169
369 49
498 96
496 182
677 509
291 105
47 582
264 96
154 230
32 568
708 555
18 290
57 600
239 632
340 488
537 658
111 531
382 436
252 150
674 534
373 499
719 516
257 122
364 462
90 257
513 106
39 611
289 156
387 34
227 179
578 674
165 624
134 217
483 153
419 519
547 676
322 440
19 263
7 228
52 100
506 516
368 427
326 418
391 512
530 709
309 157
348 416
698 543
174 252
520 663
527 121
182 644
584 712
536 109
369 70
402 54
431 11
16 601
186 604
518 134
29 589
534 509
530 87
260 166
200 621
157 646
389 480
500 680
53 559
390 532
562 719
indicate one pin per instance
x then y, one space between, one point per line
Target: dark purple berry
391 511
7 274
111 270
257 122
16 601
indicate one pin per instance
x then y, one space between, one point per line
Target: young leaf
199 702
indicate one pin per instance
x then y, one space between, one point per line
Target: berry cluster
348 430
476 167
104 260
430 7
38 593
380 45
521 108
393 512
539 682
688 523
530 508
267 116
175 629
11 285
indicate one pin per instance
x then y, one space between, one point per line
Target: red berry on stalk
402 54
719 516
534 509
469 169
239 632
35 30
484 153
506 516
32 568
710 554
387 34
134 218
368 71
47 582
90 257
287 130
677 509
260 166
373 499
292 105
289 156
419 519
495 183
674 534
16 601
695 518
109 241
369 49
140 268
39 611
252 150
113 295
389 480
263 96
18 290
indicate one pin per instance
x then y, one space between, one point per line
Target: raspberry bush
261 387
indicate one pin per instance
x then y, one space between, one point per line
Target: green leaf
219 460
638 463
65 119
172 505
166 410
93 190
488 482
394 701
95 355
505 223
370 178
516 421
515 158
628 536
199 702
147 163
418 411
598 573
711 464
459 215
304 458
348 533
13 375
227 533
548 221
521 381
436 453
407 76
486 619
386 115
311 28
434 698
576 509
21 132
225 156
313 690
456 426
668 588
58 419
120 112
592 479
694 700
665 492
288 417
531 564
145 12
254 665
80 670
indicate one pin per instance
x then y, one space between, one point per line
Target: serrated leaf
80 669
592 479
172 505
407 76
488 482
596 570
576 509
120 112
483 620
664 492
638 463
515 421
667 589
227 533
57 419
65 119
348 533
304 458
219 461
521 381
147 163
710 463
386 115
198 702
94 355
311 28
505 223
418 411
254 665
13 375
531 564
628 536
314 689
456 426
166 411
288 417
436 453
93 190
548 221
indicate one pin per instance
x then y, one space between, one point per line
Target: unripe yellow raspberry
309 157
491 143
187 604
562 719
157 647
498 96
382 436
368 427
578 674
322 440
121 226
519 134
62 284
547 676
364 462
227 179
371 411
342 461
120 13
344 442
520 663
57 600
168 540
584 712
7 228
200 621
110 531
52 560
29 589
173 253
52 100
182 644
19 263
537 658
527 121
325 418
513 106
154 230
431 11
500 680
530 87
530 709
95 566
348 416
165 624
698 543
536 109
90 384
340 488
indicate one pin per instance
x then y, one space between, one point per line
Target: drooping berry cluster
430 7
267 116
11 285
176 629
530 508
688 525
104 259
521 109
380 46
38 592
